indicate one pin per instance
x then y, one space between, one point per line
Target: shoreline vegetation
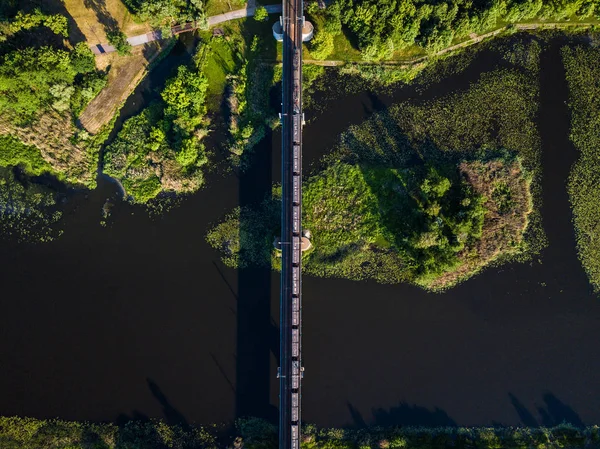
253 433
439 190
582 67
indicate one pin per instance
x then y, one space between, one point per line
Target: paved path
142 39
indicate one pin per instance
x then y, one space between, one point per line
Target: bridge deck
290 371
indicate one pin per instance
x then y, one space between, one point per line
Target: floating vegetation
27 210
582 66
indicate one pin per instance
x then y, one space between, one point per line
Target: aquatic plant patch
582 66
27 210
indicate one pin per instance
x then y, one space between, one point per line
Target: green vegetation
385 29
29 433
43 90
15 153
160 149
261 14
162 13
118 40
34 80
25 21
27 211
249 102
437 191
582 66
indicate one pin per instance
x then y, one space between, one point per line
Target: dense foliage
15 153
57 23
437 191
27 211
382 27
29 433
167 12
582 66
160 149
36 79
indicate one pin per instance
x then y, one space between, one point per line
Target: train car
295 382
296 159
296 189
295 318
295 414
296 219
295 437
295 349
297 127
295 257
296 244
295 304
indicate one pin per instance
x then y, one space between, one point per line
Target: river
141 319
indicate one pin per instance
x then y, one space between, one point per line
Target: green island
252 433
582 66
435 196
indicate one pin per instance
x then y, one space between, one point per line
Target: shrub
261 14
118 39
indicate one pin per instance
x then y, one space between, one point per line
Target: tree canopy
383 26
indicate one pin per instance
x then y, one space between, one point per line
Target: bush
261 14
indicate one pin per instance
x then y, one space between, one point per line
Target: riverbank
18 433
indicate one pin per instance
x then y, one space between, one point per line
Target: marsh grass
582 65
28 210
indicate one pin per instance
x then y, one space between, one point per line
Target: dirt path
124 75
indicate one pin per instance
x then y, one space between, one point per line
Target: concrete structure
307 31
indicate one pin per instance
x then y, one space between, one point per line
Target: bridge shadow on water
257 336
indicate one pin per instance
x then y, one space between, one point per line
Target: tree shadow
172 415
104 17
403 414
552 413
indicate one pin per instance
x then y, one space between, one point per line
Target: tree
118 40
321 45
261 14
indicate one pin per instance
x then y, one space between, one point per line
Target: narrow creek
141 319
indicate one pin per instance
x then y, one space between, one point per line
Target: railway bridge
291 30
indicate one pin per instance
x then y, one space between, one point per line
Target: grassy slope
582 66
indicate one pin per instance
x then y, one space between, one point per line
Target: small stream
141 319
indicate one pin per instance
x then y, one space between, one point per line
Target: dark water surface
140 318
